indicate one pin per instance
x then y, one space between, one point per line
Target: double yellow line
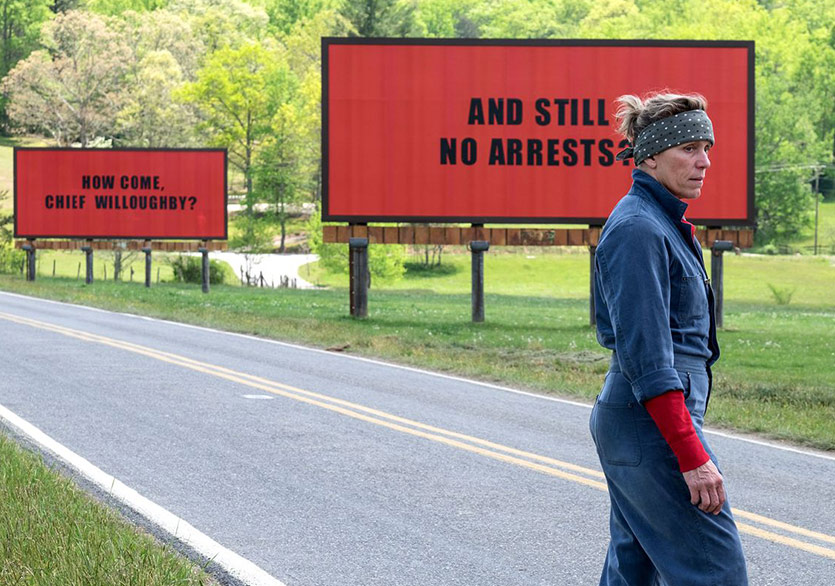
543 464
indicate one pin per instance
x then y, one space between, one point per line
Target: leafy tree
447 18
71 90
305 60
278 170
529 19
285 14
239 92
382 18
20 23
117 7
150 117
164 30
222 23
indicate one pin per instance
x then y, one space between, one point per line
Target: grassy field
52 533
72 265
826 228
564 273
775 376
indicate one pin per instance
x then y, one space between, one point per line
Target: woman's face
682 168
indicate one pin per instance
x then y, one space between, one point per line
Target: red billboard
177 194
517 131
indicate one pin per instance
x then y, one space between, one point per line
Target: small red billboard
517 131
177 194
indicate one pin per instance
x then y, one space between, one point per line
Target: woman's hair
635 113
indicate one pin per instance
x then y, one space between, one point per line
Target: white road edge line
416 370
233 563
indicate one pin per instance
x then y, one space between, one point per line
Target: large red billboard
173 194
517 131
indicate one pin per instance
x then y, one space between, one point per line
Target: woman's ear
650 162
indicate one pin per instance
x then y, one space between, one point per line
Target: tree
279 168
71 90
285 14
150 116
382 18
20 23
447 18
117 7
529 20
222 23
239 92
305 60
164 30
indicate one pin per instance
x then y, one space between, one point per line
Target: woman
670 522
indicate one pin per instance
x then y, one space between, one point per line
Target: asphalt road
323 469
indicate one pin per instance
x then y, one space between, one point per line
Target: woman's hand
707 488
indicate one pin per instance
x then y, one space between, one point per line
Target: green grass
52 533
73 265
826 228
775 376
561 272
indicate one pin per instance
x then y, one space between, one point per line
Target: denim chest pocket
692 298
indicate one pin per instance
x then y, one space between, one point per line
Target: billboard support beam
477 249
358 255
147 250
29 247
204 251
88 254
717 276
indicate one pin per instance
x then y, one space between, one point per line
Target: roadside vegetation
53 533
775 377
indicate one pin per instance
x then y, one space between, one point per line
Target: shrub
11 259
189 269
385 261
782 295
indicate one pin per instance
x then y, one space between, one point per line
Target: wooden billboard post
29 247
717 277
358 250
147 250
204 252
477 249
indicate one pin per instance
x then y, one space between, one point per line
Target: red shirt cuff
673 420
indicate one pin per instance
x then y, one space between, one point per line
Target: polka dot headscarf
668 132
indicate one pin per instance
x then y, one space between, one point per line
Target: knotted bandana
668 132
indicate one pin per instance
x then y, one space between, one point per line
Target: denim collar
646 183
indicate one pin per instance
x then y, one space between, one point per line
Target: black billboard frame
129 149
748 221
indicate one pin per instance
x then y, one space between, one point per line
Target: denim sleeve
633 267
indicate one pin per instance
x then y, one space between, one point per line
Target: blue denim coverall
654 309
